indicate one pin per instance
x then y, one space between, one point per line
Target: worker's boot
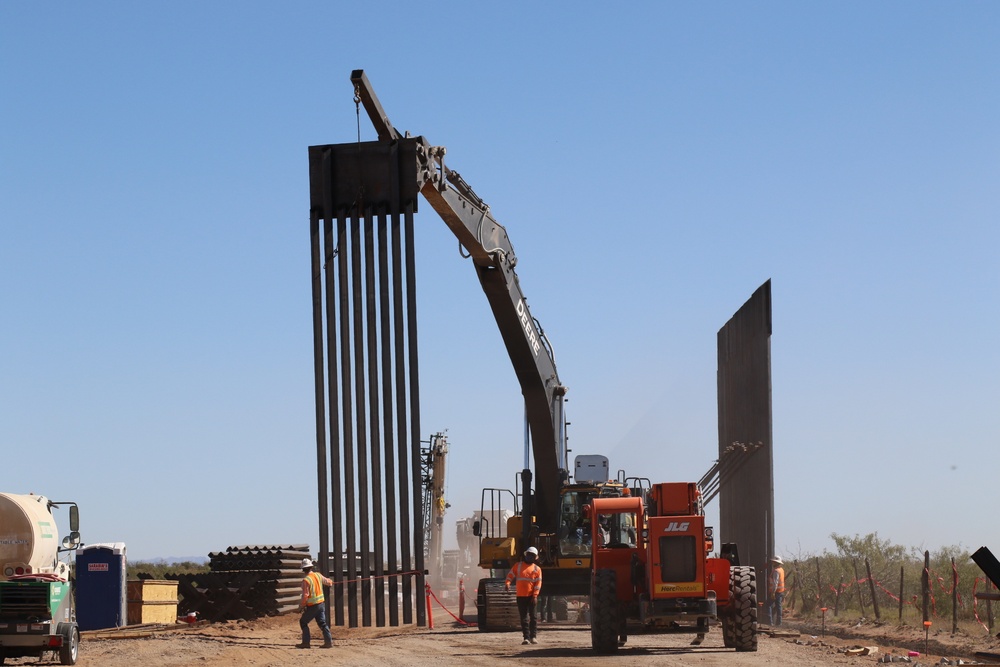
302 645
327 645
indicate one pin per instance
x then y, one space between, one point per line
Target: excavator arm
486 242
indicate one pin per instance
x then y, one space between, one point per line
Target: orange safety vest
528 577
779 585
315 582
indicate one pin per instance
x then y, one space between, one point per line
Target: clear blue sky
654 164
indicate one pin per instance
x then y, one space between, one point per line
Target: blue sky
653 163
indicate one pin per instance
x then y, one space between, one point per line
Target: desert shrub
839 582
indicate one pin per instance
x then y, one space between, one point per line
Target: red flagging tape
458 620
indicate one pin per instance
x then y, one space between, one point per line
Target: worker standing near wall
775 591
313 604
528 576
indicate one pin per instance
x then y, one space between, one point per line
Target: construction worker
775 591
313 604
528 576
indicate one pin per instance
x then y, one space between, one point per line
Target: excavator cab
574 523
575 534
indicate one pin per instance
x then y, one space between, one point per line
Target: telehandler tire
604 612
728 626
742 616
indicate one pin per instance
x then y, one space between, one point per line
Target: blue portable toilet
101 591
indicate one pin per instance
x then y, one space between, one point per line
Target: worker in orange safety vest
775 591
528 576
313 604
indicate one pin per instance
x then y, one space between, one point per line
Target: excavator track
497 607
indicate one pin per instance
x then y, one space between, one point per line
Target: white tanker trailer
36 603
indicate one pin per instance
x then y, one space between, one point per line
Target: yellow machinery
564 554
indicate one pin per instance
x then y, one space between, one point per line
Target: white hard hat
776 559
306 563
531 550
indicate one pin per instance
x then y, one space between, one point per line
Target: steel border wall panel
746 498
366 376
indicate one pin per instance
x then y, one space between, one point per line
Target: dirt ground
270 642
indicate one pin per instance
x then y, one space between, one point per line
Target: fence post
925 585
954 597
794 576
857 582
819 585
871 587
989 611
900 594
836 602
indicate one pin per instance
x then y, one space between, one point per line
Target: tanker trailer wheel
604 612
70 649
743 608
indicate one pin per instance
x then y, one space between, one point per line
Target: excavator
550 513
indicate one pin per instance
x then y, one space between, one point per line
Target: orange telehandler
652 565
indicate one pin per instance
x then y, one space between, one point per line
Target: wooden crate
152 601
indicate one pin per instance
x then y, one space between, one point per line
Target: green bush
159 569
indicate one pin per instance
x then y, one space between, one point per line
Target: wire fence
942 591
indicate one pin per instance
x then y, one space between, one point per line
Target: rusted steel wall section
746 498
362 200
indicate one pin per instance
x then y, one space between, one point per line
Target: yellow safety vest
315 583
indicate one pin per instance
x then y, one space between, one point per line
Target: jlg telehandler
652 565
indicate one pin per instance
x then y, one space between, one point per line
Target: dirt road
270 643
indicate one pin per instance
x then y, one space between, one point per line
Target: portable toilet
101 591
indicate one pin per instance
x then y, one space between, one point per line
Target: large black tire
70 649
728 631
743 609
604 612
